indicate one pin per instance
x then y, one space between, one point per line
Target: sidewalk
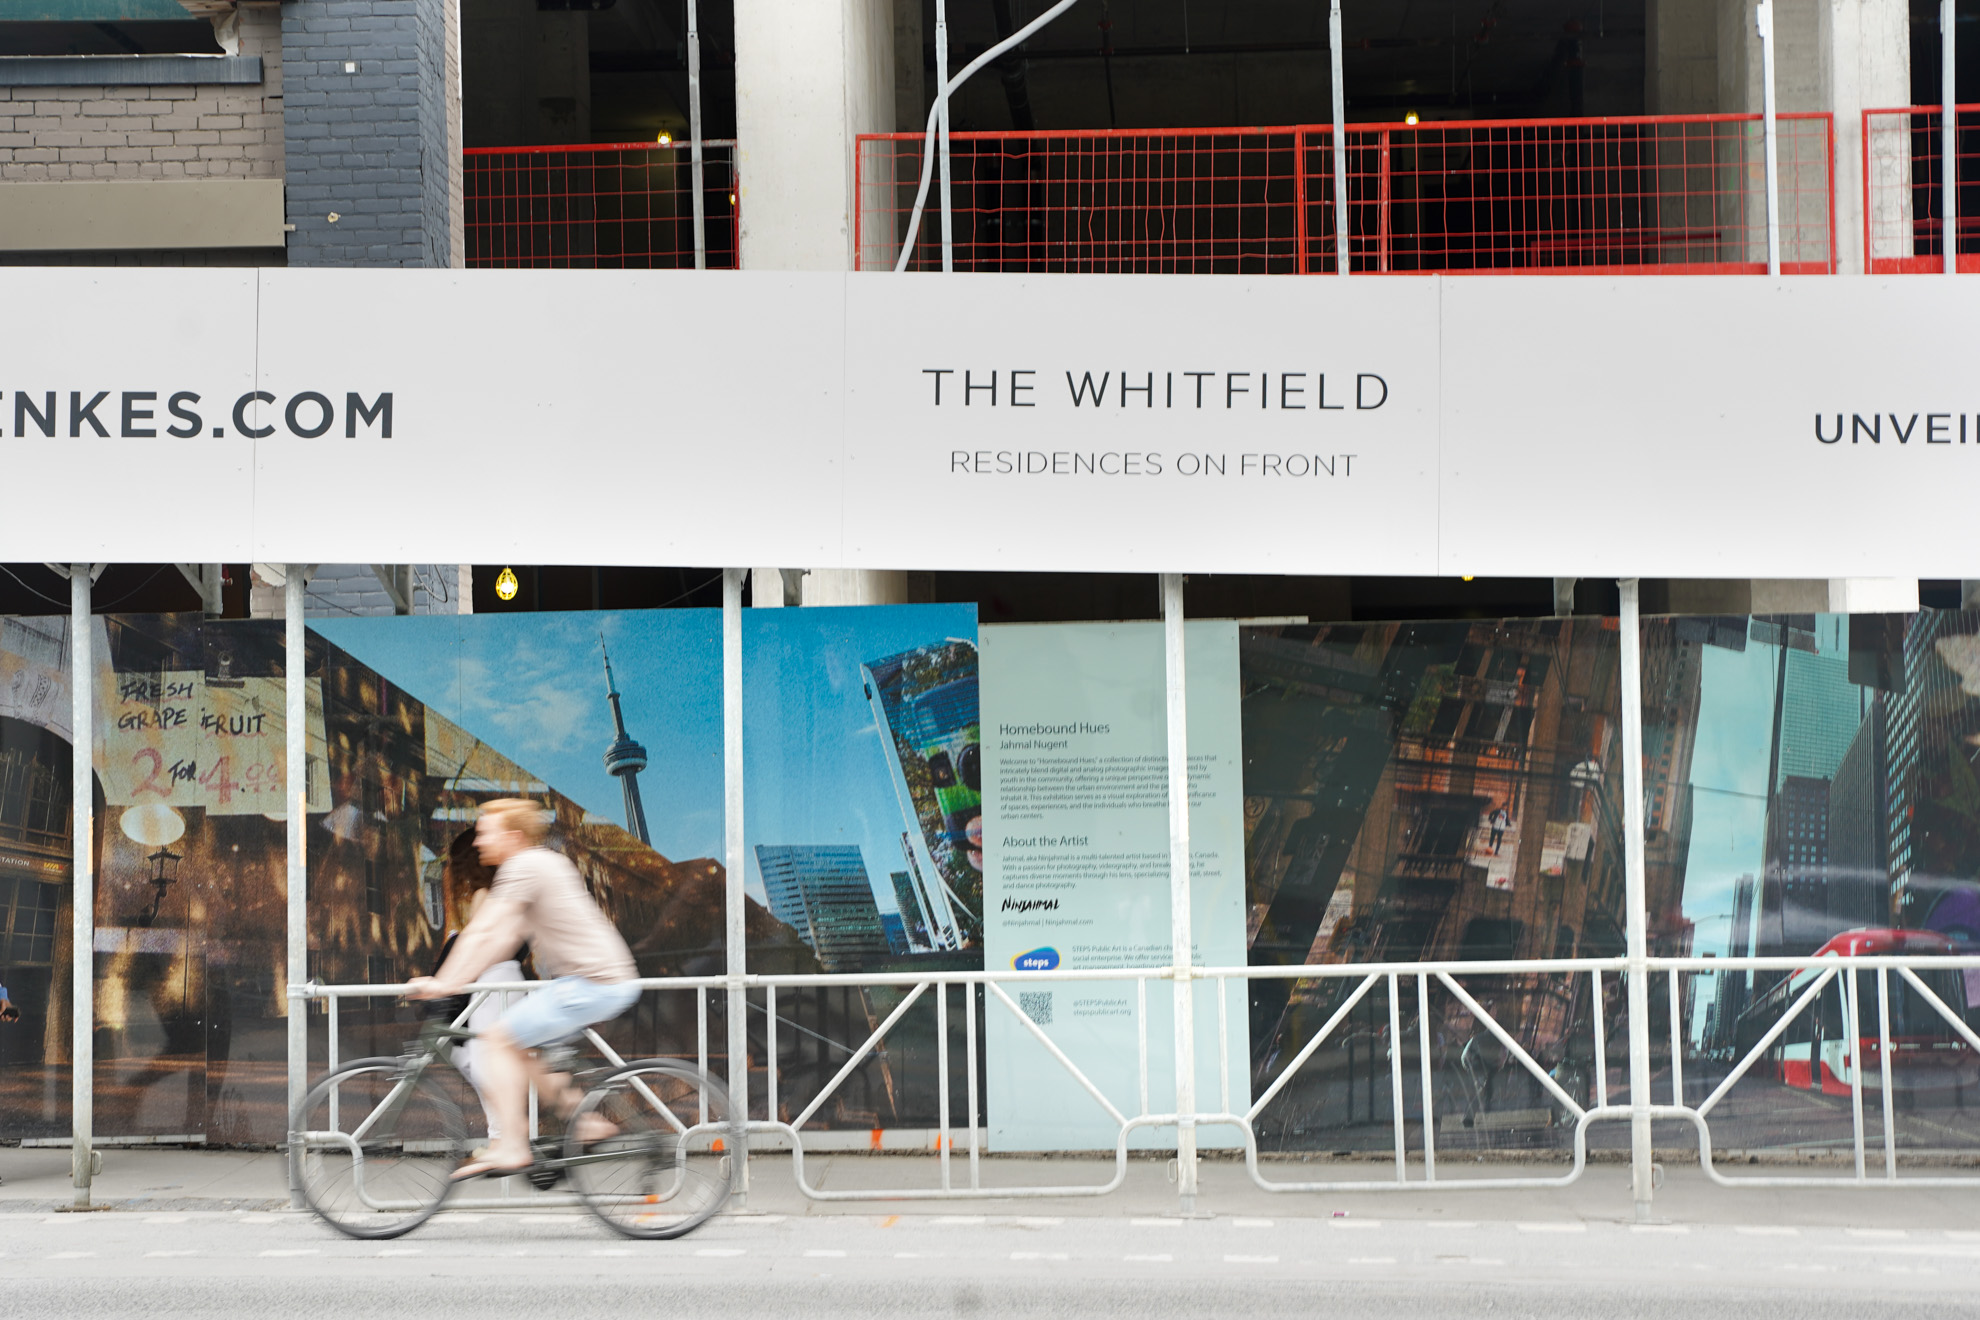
185 1179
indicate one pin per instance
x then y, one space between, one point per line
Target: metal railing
1129 1114
1672 194
1904 171
621 206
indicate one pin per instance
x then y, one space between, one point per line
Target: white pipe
1341 217
694 138
1635 914
82 962
942 127
1179 898
732 816
940 108
1948 138
1763 21
296 788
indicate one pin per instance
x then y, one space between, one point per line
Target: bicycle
659 1176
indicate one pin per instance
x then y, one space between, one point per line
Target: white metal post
1763 21
1179 898
1636 915
82 989
296 788
694 138
1341 262
732 814
1948 138
942 130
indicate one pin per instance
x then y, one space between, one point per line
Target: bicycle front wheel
378 1142
663 1170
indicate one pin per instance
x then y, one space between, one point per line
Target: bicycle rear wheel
379 1144
665 1170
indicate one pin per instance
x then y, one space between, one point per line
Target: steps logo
1038 960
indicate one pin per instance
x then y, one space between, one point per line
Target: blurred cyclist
537 897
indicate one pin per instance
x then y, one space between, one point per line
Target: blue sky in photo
532 686
815 768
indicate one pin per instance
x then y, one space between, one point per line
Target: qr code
1036 1005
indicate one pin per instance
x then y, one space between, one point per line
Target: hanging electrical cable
937 112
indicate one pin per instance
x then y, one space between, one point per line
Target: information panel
1076 872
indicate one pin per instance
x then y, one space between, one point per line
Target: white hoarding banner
1076 873
1534 426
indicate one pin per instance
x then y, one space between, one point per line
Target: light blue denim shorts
565 1007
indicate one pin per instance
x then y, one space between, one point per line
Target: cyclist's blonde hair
527 818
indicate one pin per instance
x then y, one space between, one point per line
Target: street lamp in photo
157 826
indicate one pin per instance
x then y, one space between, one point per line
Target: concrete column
1842 56
852 586
1681 68
1873 595
1865 52
811 75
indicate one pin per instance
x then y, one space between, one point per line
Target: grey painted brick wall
370 146
121 131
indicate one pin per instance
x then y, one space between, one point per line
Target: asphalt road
272 1266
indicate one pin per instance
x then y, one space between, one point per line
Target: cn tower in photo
625 758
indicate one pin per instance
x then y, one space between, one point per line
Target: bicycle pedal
544 1176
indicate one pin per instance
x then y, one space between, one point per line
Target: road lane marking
1039 1255
1371 1260
1764 1230
1246 1223
290 1251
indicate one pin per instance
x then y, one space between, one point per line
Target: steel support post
942 131
1341 216
82 989
1763 22
295 787
732 818
1179 896
695 172
1635 915
1948 138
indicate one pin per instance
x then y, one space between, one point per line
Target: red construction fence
624 206
1652 194
1903 189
